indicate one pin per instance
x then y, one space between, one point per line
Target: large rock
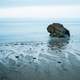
58 30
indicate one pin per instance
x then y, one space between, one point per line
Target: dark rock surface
58 30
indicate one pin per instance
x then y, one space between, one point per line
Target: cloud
40 12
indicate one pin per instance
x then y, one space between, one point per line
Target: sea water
29 30
28 53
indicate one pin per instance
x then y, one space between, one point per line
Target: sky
39 8
37 2
40 12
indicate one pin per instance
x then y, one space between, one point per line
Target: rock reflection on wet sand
52 60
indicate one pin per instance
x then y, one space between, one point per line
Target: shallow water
35 56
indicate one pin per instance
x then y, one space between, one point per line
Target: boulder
58 30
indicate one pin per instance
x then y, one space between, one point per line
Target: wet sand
55 59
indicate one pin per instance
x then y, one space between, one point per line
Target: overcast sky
38 2
39 8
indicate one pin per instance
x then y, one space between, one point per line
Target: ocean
28 53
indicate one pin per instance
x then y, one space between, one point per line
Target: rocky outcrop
58 30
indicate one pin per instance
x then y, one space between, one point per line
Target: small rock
34 57
17 56
59 62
